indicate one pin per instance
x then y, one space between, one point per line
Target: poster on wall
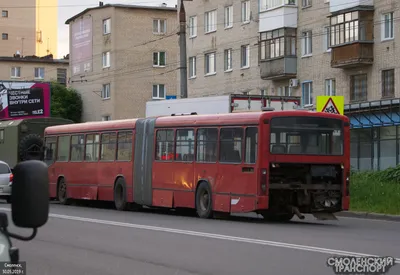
81 46
20 100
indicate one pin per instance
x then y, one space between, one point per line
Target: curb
366 215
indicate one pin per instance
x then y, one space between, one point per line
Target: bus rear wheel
204 201
120 195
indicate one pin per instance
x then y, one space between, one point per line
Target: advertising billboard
81 46
24 100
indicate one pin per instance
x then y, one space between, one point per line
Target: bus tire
204 201
120 195
62 191
31 142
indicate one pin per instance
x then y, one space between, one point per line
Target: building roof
164 8
33 59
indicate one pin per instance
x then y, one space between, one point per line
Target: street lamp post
182 50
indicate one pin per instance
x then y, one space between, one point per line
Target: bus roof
186 120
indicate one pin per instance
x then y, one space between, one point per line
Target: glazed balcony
351 39
276 14
278 68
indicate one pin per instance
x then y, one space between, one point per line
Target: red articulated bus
277 164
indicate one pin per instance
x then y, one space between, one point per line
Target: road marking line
214 236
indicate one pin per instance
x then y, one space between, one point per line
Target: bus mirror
30 194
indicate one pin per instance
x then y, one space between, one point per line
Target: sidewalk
366 215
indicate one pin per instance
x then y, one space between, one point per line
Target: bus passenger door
237 169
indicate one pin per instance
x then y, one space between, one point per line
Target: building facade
29 27
348 48
34 69
306 48
122 56
223 51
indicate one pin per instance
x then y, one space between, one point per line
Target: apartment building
222 48
348 48
122 56
29 27
32 68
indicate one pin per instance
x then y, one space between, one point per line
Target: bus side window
50 150
230 145
251 145
124 146
77 147
165 145
207 142
108 146
184 145
92 147
63 148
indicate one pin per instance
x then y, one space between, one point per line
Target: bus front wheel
62 191
204 201
120 195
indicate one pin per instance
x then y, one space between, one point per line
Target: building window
192 26
159 91
192 67
388 83
107 26
228 19
307 43
159 59
278 43
330 87
347 28
387 26
106 118
39 73
307 93
245 56
284 91
358 87
306 3
210 21
228 60
326 40
210 64
245 11
4 13
62 76
159 26
15 72
106 60
4 36
105 91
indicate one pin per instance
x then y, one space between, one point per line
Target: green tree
65 103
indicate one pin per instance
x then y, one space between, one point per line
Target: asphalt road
82 240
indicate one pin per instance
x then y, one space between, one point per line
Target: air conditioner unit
293 82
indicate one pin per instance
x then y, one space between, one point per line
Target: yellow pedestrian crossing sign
330 104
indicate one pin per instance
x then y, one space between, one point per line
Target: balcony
352 55
338 5
352 38
276 14
278 68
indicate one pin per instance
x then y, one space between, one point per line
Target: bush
376 191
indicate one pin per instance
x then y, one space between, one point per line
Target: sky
69 8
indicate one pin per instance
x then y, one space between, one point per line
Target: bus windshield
306 136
